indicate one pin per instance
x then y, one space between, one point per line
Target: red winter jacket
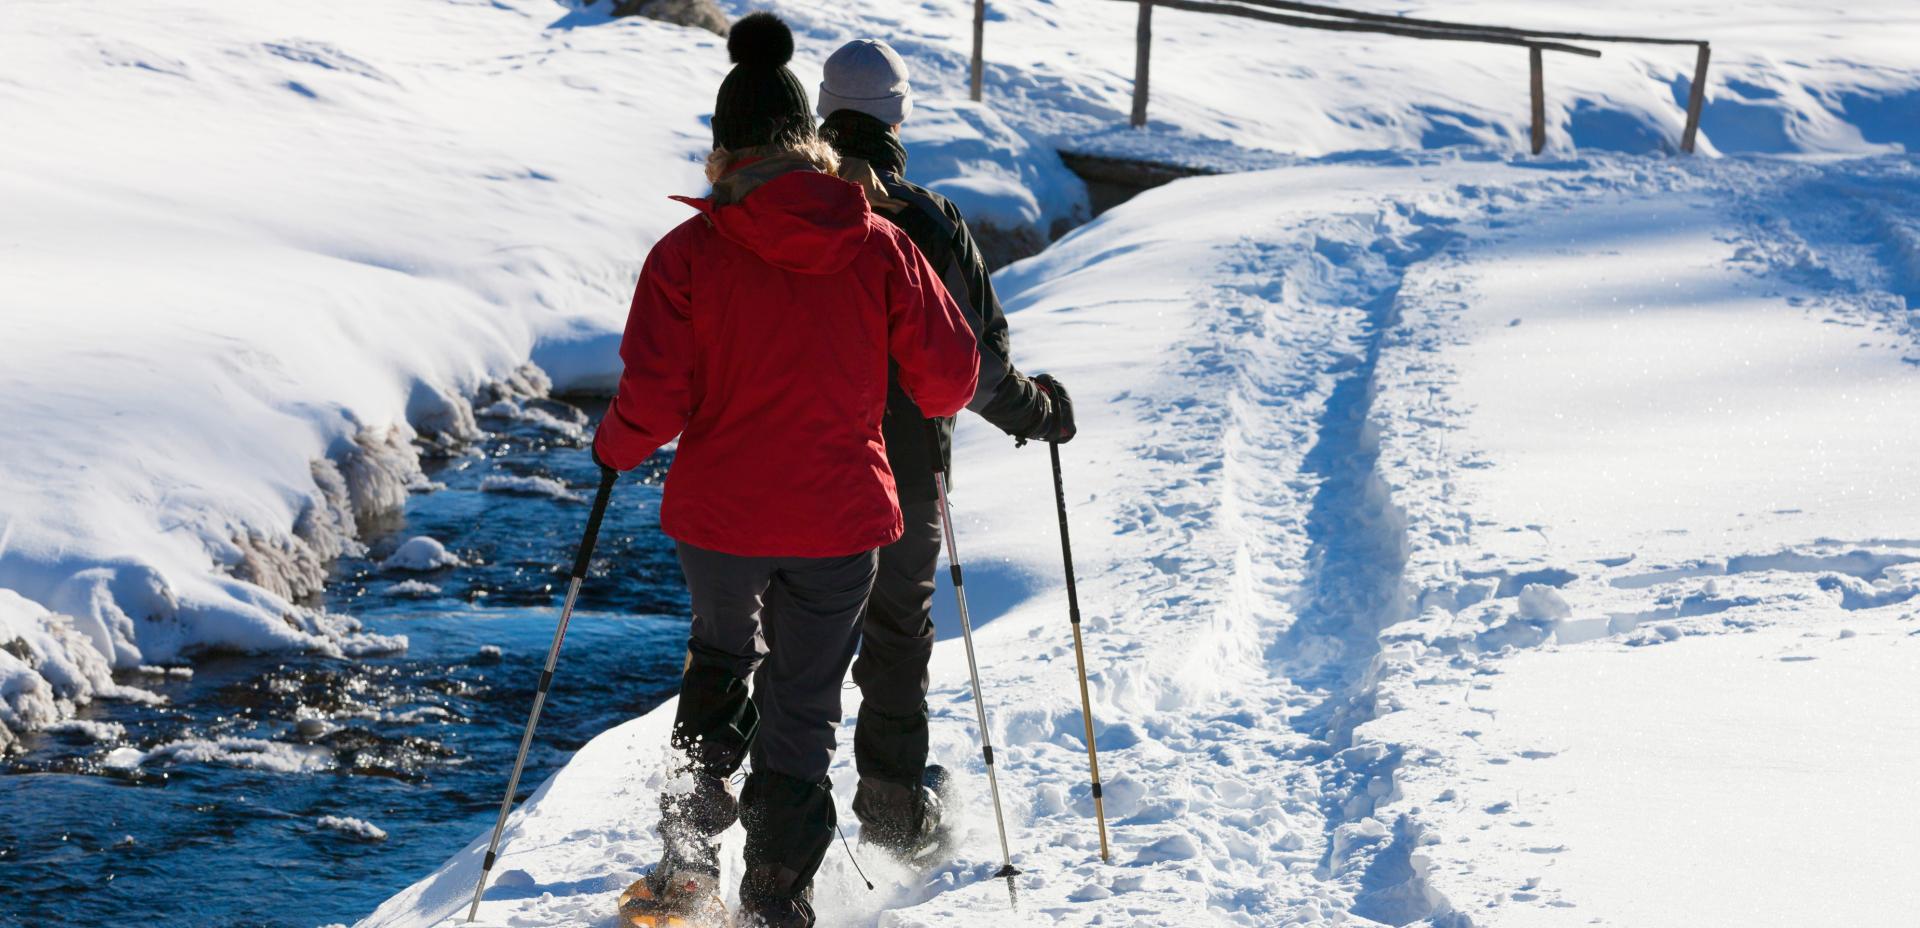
760 334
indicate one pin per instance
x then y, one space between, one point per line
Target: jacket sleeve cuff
616 443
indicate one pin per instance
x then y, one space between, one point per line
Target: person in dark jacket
765 334
864 98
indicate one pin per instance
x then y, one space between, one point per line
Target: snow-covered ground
326 230
253 252
1656 458
1461 540
1369 455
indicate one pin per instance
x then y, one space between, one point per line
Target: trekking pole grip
935 451
608 476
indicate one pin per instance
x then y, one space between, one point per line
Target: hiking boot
769 898
789 823
704 811
900 819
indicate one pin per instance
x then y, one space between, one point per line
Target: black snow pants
890 738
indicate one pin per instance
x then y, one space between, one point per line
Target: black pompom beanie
760 101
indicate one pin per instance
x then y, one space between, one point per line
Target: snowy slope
253 251
1786 76
1664 558
1302 565
330 228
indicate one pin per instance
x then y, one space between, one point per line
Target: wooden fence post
1143 39
1539 99
979 46
1696 97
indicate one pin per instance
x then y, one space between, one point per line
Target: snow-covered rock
420 553
415 588
248 753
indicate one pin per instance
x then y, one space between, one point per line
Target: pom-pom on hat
760 101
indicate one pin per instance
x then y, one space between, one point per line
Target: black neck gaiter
857 135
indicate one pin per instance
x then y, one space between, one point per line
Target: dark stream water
221 823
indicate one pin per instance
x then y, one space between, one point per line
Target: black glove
1057 425
607 471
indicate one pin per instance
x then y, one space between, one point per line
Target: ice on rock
248 753
90 730
49 667
415 588
358 829
527 486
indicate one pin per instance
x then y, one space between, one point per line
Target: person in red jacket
762 334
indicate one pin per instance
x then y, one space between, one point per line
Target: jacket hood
801 220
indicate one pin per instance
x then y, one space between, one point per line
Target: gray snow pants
791 624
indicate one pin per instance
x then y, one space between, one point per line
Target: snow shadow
518 884
1596 126
994 588
1358 550
1863 565
1891 118
584 14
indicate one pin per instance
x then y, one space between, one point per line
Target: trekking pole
1079 653
973 669
607 478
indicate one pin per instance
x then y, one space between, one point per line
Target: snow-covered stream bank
252 253
333 780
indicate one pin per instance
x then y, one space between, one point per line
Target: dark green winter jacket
1004 397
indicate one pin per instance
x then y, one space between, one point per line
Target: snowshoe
687 898
682 891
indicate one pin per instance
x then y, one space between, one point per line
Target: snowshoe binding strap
678 899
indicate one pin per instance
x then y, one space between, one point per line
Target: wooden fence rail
1339 19
1696 92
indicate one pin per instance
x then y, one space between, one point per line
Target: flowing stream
256 795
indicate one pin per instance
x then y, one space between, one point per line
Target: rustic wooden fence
1319 16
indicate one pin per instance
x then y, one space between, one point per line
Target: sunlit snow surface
1359 435
1328 487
